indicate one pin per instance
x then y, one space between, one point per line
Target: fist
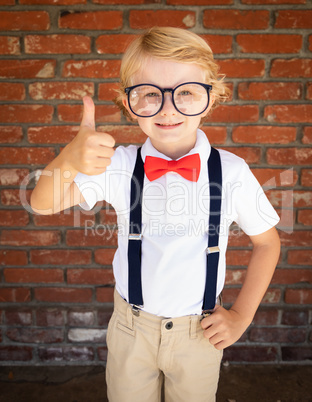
90 152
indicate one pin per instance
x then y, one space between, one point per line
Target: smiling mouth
168 124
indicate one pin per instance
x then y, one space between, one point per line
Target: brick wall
55 271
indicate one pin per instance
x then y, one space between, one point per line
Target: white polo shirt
175 215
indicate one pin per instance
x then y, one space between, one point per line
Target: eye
152 95
185 92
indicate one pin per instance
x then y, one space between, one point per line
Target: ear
126 105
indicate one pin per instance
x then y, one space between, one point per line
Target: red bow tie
188 167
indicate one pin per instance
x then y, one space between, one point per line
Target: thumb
88 117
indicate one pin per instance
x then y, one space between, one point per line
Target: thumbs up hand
89 152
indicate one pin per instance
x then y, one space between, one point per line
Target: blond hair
174 44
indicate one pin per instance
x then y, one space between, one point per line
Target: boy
168 324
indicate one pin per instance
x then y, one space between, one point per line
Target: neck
172 150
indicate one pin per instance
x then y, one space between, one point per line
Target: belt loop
129 317
193 327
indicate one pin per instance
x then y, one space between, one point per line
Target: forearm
52 191
259 274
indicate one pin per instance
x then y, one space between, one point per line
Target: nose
168 107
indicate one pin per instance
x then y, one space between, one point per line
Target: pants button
169 325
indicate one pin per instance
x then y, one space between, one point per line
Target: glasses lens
191 99
145 100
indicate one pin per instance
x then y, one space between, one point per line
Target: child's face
170 132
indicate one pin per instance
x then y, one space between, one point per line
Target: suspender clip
135 236
210 250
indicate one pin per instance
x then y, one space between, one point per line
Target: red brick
90 276
107 91
272 296
24 21
307 135
26 113
92 20
238 257
12 177
10 45
242 68
7 2
295 318
266 317
60 257
269 90
234 114
61 90
63 295
33 275
102 353
300 257
289 156
13 217
237 238
67 354
299 238
91 69
280 335
302 198
298 296
125 134
275 177
57 44
35 335
104 256
30 237
142 19
305 217
103 113
249 154
11 91
23 69
291 68
269 43
306 177
310 43
15 353
289 113
126 2
293 19
72 218
216 135
289 198
50 317
14 295
10 134
13 257
52 134
291 276
276 2
52 2
293 354
264 134
219 43
12 197
254 354
236 19
198 2
105 295
93 237
309 91
235 276
81 318
18 317
108 216
113 44
26 156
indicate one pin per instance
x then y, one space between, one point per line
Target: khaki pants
144 350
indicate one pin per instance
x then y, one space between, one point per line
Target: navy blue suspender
135 230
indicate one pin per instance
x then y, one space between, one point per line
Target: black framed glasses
189 98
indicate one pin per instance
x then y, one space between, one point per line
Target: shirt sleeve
254 212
